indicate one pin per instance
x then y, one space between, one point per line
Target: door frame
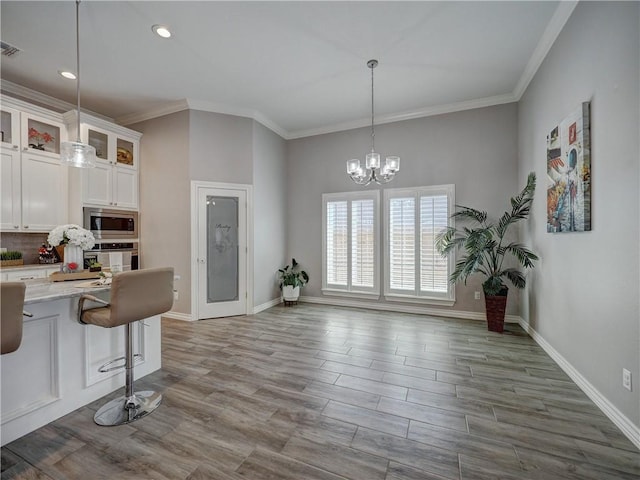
196 185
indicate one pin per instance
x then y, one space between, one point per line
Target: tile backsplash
27 243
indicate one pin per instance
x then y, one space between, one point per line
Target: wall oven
111 224
115 256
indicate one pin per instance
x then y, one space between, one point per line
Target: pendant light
373 171
77 154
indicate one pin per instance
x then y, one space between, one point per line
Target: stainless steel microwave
111 224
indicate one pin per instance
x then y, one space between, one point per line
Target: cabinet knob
26 226
16 226
15 147
26 149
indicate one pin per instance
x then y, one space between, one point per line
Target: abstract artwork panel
569 174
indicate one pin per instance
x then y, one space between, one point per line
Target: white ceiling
298 67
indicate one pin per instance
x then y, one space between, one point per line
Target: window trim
348 290
445 299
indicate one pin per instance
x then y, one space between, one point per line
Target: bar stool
135 295
11 305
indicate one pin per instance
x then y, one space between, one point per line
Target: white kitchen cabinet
10 193
44 193
34 182
26 274
10 127
114 181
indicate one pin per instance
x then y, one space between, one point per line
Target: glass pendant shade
353 165
77 154
373 160
393 163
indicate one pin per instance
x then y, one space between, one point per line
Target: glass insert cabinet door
222 249
222 253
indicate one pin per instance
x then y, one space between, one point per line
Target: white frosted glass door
222 249
222 253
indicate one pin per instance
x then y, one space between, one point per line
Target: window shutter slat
433 267
402 243
337 246
362 243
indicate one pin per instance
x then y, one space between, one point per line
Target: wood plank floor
315 392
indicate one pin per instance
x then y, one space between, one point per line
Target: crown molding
554 27
213 107
16 90
407 115
161 111
60 106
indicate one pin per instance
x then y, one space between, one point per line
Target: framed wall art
569 174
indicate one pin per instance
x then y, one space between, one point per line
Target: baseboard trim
394 307
266 305
628 428
185 317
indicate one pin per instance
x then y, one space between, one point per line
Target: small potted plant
291 279
485 248
95 266
11 258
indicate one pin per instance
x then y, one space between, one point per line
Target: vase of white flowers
75 240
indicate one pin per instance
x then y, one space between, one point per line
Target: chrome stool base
123 410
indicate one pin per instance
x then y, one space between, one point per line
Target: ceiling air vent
8 50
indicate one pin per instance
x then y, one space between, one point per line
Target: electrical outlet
476 295
175 295
626 379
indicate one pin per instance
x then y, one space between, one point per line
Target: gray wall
269 214
164 199
476 150
220 147
583 299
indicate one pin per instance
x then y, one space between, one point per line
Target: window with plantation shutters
413 218
351 243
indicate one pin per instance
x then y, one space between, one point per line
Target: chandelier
78 154
373 171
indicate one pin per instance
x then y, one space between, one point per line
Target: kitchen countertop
32 266
43 290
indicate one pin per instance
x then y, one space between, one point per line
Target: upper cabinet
34 182
114 181
10 127
41 136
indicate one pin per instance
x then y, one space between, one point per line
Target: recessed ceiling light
69 75
161 30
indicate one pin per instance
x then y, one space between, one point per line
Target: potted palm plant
485 250
291 280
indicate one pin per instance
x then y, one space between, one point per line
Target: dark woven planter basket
495 306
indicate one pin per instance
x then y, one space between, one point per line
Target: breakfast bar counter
55 369
42 290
